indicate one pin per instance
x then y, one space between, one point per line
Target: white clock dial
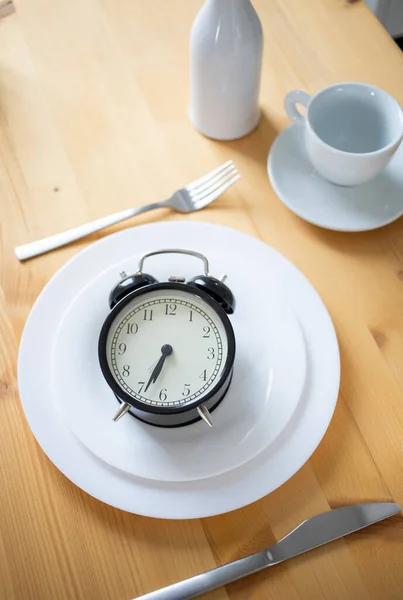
167 348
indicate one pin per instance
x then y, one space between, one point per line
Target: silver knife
314 532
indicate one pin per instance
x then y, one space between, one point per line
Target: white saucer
318 201
185 499
260 402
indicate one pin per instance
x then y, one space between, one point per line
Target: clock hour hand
166 350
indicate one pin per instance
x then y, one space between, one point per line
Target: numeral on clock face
186 390
170 309
132 328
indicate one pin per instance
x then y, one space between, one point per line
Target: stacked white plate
281 399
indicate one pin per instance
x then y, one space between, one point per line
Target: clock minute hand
166 350
156 371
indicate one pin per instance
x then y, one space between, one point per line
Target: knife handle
200 584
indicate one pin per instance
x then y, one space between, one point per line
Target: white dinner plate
260 402
269 274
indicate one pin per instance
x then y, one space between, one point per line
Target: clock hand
156 371
152 366
166 350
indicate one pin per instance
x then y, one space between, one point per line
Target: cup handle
290 104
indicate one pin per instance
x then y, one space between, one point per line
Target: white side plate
269 376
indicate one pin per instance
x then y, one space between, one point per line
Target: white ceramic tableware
225 54
186 499
257 407
307 194
351 130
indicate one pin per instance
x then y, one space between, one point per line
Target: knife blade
310 534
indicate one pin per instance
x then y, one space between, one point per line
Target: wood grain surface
93 101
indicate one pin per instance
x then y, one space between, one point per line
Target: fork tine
204 201
216 182
213 182
201 180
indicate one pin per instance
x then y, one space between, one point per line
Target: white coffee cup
351 130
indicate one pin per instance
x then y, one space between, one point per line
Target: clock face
167 348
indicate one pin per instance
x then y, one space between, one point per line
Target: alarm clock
167 349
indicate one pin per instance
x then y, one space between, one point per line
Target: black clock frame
214 393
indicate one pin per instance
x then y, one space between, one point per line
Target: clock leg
205 415
123 409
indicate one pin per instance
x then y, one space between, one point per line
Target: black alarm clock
167 349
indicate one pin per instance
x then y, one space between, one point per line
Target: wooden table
93 99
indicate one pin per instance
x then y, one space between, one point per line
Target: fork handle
61 239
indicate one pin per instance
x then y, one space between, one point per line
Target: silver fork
194 196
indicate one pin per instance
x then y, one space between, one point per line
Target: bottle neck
227 3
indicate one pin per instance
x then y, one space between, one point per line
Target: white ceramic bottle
226 45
